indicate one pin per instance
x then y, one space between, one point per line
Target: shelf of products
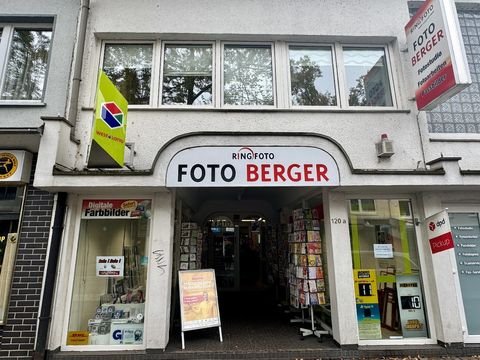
190 246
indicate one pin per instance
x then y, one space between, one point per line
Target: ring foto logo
8 165
112 115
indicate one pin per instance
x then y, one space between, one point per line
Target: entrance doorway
247 235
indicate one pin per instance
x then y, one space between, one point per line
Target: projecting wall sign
231 166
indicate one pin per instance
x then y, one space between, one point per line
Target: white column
340 269
159 283
441 279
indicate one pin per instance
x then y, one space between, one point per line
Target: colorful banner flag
109 127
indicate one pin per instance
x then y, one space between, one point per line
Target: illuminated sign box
15 166
437 55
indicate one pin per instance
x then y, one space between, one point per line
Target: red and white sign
439 232
437 54
233 166
116 209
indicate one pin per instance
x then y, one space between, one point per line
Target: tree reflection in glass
27 65
311 75
367 77
129 66
187 75
248 75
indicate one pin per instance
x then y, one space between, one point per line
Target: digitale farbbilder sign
437 55
225 166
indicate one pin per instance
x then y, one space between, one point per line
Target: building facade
36 53
239 115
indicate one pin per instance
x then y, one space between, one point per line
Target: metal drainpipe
78 63
50 272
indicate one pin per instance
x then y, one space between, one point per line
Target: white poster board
198 301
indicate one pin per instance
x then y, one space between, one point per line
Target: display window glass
109 285
388 287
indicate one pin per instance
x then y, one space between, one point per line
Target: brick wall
18 338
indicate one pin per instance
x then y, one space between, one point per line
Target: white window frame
153 75
335 76
342 76
5 45
274 75
214 75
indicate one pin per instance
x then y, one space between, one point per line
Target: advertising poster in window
412 315
368 313
110 266
437 55
198 299
116 209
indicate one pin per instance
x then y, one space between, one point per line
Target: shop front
282 237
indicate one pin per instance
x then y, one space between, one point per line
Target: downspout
50 273
77 65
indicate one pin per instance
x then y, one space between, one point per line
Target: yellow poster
365 286
198 299
77 338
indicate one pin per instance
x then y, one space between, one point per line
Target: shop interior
249 237
246 236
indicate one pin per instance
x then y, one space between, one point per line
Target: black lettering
232 175
213 167
192 173
181 171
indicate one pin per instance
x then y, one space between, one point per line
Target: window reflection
27 65
312 80
187 75
129 66
367 77
248 75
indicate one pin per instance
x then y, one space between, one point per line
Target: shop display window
109 286
388 288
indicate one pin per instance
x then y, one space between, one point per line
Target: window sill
22 103
263 109
454 137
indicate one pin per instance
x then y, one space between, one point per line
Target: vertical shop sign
466 234
109 127
368 313
198 300
412 315
437 55
439 232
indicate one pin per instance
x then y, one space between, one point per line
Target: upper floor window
187 74
129 66
366 77
24 55
311 76
247 75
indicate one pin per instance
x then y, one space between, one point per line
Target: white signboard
383 251
110 266
437 55
233 166
15 166
439 232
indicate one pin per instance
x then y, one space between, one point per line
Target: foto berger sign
439 232
230 166
437 54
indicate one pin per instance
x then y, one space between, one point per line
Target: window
366 77
311 76
24 57
187 75
248 75
129 66
110 277
362 205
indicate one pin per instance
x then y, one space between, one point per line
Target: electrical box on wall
384 147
